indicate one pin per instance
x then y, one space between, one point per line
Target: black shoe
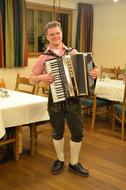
78 169
57 167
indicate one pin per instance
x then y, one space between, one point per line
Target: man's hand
47 78
94 73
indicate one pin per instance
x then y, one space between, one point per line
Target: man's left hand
94 73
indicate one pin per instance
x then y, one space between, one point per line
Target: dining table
19 108
110 89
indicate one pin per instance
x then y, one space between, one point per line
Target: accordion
71 73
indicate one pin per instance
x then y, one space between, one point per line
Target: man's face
54 36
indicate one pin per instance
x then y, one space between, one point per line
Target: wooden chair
98 105
108 72
22 82
23 85
119 73
11 139
42 89
2 83
95 105
119 114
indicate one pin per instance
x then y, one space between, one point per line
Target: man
69 109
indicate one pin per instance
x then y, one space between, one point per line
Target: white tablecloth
21 108
110 89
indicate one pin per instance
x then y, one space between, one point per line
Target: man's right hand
47 78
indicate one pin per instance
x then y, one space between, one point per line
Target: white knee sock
59 148
74 152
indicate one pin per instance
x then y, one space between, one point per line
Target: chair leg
122 136
123 126
17 142
36 138
93 119
32 140
94 112
111 111
113 122
107 111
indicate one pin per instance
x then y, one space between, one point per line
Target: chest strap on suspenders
49 53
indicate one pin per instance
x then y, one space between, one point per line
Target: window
37 17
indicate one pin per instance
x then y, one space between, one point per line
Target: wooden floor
103 153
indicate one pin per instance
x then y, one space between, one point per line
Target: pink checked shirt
39 68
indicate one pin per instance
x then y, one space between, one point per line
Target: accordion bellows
71 73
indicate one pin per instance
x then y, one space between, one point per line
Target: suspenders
49 53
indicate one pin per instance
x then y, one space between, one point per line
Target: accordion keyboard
58 87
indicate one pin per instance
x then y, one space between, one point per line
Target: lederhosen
69 109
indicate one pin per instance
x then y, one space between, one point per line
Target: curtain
64 24
84 32
2 33
13 36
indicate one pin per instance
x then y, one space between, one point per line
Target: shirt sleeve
38 68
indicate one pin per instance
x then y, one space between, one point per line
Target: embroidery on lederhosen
55 107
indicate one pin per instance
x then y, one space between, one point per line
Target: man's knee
57 137
77 138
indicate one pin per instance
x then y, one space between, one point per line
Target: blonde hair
52 24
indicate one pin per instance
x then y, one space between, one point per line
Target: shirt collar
49 48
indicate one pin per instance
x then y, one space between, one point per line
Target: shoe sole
58 172
76 172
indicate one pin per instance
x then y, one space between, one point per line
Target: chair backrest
110 72
2 83
119 73
42 89
124 99
23 85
